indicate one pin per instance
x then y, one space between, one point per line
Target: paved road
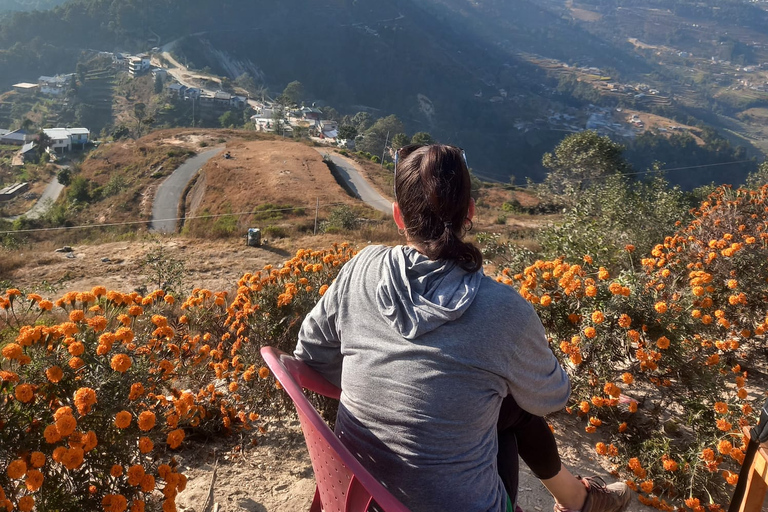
359 186
165 208
49 196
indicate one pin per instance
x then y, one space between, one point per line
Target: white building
64 138
138 65
55 85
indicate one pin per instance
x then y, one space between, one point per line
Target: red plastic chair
343 484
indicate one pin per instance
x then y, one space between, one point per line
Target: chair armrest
303 374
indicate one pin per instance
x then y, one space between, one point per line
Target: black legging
521 433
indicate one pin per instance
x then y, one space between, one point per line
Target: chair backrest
343 484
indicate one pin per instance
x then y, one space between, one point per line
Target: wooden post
757 480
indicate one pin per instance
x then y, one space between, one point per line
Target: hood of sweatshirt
417 295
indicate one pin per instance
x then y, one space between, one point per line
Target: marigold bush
659 357
98 388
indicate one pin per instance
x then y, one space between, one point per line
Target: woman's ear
398 216
471 210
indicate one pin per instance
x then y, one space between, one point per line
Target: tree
158 84
43 143
293 93
380 134
579 161
246 81
362 121
400 140
64 176
140 111
347 132
228 119
422 138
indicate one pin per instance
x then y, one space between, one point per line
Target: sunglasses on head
405 152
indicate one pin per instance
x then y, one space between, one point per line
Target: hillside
505 79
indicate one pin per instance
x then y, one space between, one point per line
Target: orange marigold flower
76 315
26 503
721 407
595 421
24 393
16 469
116 470
148 483
54 374
37 459
731 478
137 506
76 348
612 389
724 425
601 448
114 503
590 332
34 480
175 437
66 424
12 351
137 390
647 486
623 426
545 300
708 454
663 343
51 434
724 447
590 429
263 372
670 465
123 419
135 310
584 406
147 420
590 291
84 399
135 474
76 363
323 289
742 393
660 307
145 445
120 363
627 378
625 321
598 317
633 406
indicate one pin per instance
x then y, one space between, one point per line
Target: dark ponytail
433 191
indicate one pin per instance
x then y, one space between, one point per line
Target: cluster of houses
219 99
57 85
272 118
62 140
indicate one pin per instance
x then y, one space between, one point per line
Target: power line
135 222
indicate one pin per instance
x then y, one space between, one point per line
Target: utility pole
193 111
384 150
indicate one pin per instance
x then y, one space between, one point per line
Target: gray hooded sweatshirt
424 353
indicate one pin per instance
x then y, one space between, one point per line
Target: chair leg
317 506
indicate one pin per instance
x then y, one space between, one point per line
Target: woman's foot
601 497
